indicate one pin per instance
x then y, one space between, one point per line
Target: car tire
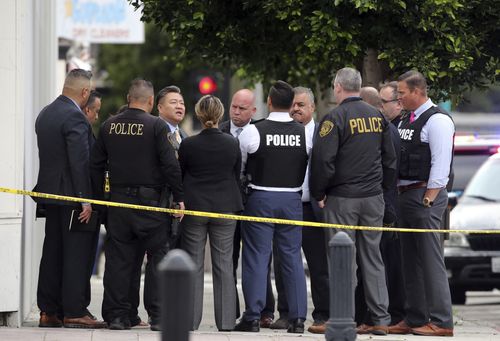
457 295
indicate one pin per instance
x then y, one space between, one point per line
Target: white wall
39 89
11 155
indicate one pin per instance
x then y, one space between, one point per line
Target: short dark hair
414 80
281 95
79 73
166 90
140 90
92 97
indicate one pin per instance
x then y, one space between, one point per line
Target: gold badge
326 128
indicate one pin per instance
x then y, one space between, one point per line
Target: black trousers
67 256
314 247
131 233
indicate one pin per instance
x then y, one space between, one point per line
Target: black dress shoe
119 323
156 327
248 326
296 326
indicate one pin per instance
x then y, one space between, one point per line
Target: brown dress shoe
380 330
363 329
400 328
317 328
430 329
83 322
375 330
49 321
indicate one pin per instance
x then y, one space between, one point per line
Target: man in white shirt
426 155
313 238
274 153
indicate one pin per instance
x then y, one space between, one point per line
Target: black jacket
353 155
134 147
211 164
64 137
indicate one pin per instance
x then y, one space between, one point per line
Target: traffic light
207 85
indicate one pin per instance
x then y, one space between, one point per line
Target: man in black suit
240 117
64 137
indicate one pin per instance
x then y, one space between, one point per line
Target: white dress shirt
233 128
306 195
438 131
250 142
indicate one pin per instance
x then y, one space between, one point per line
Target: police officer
141 163
426 156
274 154
352 157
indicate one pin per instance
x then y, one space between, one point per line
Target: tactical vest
415 157
281 159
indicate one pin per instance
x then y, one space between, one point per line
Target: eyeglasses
385 101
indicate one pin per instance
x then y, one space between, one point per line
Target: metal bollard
177 291
341 325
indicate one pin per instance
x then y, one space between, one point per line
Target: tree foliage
156 60
455 43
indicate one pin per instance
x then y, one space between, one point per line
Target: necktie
177 136
238 132
412 117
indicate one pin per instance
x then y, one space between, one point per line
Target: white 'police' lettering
406 134
283 140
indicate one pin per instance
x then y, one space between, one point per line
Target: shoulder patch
326 128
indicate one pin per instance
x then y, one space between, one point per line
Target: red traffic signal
207 85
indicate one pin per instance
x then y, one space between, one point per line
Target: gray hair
393 85
349 79
303 90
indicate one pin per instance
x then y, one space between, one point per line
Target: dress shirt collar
279 116
170 126
71 99
423 108
233 127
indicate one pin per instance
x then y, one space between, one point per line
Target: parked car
473 260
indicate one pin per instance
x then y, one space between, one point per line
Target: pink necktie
412 117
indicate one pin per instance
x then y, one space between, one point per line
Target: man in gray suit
64 138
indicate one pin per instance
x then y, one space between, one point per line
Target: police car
473 260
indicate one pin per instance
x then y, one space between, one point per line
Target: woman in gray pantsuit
210 163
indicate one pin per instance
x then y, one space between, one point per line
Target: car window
486 183
464 167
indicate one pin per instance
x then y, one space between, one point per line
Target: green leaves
455 43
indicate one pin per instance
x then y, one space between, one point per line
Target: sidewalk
478 322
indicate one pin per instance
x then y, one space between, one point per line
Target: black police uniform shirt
135 146
353 155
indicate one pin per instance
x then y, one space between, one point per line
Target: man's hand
181 207
321 203
84 217
432 193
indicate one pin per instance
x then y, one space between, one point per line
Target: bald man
371 96
241 113
64 137
135 148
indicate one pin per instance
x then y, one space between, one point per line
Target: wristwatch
427 202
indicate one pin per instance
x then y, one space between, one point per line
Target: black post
341 326
177 291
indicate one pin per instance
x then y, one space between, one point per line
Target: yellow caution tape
234 216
